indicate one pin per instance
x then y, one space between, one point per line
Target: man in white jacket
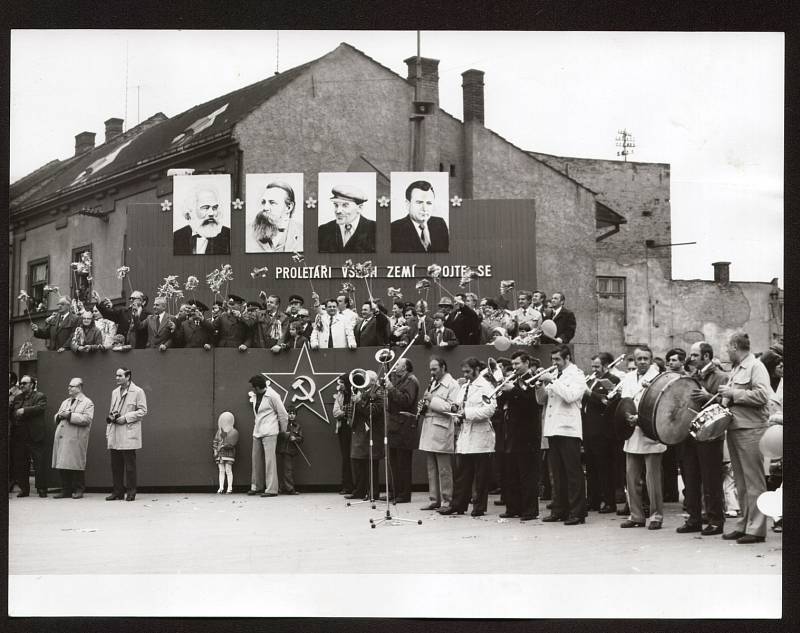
564 431
271 418
640 451
332 329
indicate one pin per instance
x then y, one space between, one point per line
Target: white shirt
201 245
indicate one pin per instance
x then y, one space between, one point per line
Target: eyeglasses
26 382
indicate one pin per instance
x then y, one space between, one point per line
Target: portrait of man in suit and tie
274 213
200 215
419 212
351 202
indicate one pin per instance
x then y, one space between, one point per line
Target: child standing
286 450
224 447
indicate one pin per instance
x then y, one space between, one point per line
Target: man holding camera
124 433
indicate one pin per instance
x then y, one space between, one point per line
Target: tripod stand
388 519
370 499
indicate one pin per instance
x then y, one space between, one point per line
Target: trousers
344 434
521 483
285 472
123 471
472 467
264 471
748 473
701 463
72 481
569 485
599 455
400 471
440 478
635 463
361 470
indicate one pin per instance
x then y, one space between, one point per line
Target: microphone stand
388 519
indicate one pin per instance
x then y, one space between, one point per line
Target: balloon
771 443
225 421
549 328
771 504
501 343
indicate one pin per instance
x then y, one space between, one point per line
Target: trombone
524 382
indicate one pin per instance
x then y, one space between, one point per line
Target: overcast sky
710 104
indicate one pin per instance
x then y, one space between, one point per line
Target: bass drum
664 412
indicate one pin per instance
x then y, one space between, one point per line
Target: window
81 275
38 277
608 287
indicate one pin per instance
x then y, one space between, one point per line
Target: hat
296 298
235 298
348 192
199 305
777 348
445 301
253 304
218 303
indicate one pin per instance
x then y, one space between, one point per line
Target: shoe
113 497
352 496
778 526
575 521
553 518
449 510
732 536
477 513
402 499
631 524
42 493
229 492
346 491
252 493
607 509
431 506
269 494
748 539
528 517
711 530
23 494
292 492
655 524
688 527
220 491
130 497
549 506
509 515
499 502
494 491
77 495
62 495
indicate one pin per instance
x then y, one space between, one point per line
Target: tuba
361 379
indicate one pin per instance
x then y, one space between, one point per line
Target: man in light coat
124 433
475 443
271 418
563 429
332 329
74 419
437 437
640 451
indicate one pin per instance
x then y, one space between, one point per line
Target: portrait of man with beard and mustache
203 215
274 223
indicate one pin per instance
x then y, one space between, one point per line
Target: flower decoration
455 201
170 288
237 204
506 285
26 351
435 271
259 272
123 271
423 284
191 282
348 288
394 293
383 201
166 205
311 202
227 272
467 277
298 257
24 297
263 296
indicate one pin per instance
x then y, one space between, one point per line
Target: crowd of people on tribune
508 426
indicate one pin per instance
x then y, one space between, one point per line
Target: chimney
84 142
429 84
473 95
113 128
722 273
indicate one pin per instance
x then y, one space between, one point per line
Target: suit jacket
406 239
182 242
466 325
32 421
158 333
401 429
72 436
374 332
448 336
58 332
265 330
191 335
137 333
363 240
343 336
521 427
232 331
597 421
565 325
126 432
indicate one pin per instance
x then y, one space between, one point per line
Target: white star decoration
317 406
311 202
383 201
237 204
455 201
166 205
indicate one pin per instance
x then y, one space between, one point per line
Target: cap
235 298
199 305
348 192
445 301
253 304
296 298
218 303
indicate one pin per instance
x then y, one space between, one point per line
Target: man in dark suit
128 319
59 327
29 437
232 329
564 320
463 320
350 231
204 234
194 330
373 329
159 326
420 231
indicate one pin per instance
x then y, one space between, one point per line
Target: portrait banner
346 215
420 212
273 213
201 215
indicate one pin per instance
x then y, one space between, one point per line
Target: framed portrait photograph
201 215
346 212
273 213
420 212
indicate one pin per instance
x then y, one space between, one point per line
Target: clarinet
422 406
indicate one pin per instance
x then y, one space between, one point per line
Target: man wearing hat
350 231
194 330
231 328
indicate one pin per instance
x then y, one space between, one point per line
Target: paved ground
316 533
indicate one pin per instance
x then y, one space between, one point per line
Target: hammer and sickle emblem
306 386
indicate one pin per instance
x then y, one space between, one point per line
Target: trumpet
524 381
617 361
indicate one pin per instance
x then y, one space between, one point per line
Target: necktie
71 404
439 334
348 231
330 333
423 236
